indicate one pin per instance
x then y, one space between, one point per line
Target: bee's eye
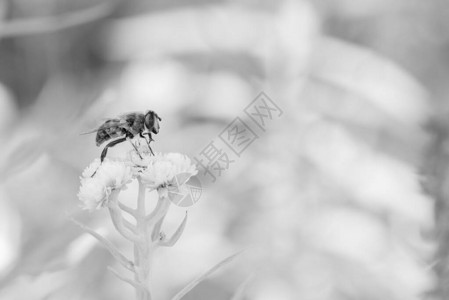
147 120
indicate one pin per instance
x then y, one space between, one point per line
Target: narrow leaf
240 292
198 280
127 280
175 237
126 263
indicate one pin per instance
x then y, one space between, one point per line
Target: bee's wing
89 132
122 123
130 118
128 115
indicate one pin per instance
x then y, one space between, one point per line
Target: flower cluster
160 172
167 170
109 176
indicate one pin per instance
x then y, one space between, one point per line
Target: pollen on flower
110 175
161 170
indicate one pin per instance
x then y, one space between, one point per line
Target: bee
126 127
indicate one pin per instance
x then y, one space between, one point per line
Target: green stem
155 223
142 255
118 220
144 235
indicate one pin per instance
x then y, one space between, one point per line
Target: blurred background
343 197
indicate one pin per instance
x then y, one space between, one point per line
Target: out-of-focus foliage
329 200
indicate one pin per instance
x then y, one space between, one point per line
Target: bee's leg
150 139
105 151
129 137
111 144
142 136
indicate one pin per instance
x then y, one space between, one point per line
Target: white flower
139 159
87 173
93 194
110 175
167 170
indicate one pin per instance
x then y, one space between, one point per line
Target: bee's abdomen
109 131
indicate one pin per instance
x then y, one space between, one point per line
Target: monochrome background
343 195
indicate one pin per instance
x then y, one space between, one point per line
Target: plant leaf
127 280
126 263
198 280
240 292
172 241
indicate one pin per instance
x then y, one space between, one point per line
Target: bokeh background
344 197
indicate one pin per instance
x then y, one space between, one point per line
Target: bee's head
152 121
